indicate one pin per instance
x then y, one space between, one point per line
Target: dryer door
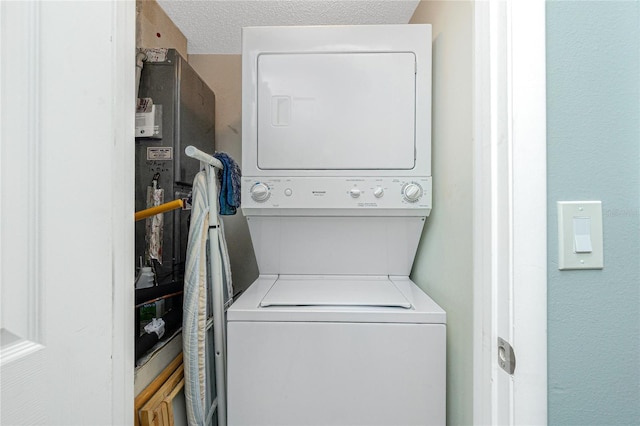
336 111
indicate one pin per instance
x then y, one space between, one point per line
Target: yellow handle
162 208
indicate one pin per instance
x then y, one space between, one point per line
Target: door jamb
123 22
510 113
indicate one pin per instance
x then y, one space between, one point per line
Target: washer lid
334 291
330 298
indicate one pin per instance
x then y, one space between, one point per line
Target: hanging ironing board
204 300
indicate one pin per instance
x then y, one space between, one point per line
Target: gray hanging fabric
154 224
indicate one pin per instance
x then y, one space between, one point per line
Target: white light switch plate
580 235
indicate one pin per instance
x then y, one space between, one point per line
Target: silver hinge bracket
506 356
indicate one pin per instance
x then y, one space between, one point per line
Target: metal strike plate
506 356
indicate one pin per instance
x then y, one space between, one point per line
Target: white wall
443 265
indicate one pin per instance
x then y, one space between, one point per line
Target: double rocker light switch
580 235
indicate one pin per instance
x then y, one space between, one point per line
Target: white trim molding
529 112
482 271
510 248
21 181
123 53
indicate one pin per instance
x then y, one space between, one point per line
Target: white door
66 210
510 214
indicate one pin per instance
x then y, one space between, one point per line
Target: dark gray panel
187 119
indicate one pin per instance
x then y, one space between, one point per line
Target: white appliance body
343 100
336 189
329 350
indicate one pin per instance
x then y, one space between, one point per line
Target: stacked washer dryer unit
336 189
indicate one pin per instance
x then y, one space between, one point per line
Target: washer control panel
336 193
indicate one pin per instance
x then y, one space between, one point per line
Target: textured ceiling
214 26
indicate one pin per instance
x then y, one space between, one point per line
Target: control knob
412 192
355 192
378 192
260 192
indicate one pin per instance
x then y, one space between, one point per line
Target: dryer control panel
293 193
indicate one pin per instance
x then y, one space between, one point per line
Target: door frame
123 21
510 229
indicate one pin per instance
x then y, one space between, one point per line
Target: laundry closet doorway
97 246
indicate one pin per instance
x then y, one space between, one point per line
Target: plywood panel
155 29
154 388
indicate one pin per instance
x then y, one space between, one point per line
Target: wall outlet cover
580 235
